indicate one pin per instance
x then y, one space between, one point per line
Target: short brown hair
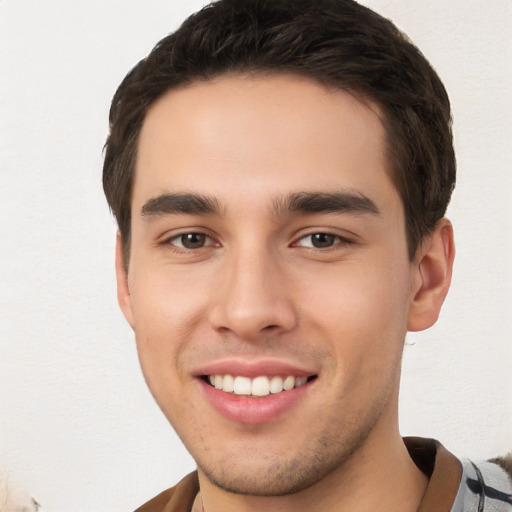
336 42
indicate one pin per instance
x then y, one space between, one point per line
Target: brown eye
192 240
319 241
322 240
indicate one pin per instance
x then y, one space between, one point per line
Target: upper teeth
260 386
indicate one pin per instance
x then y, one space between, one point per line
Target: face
269 284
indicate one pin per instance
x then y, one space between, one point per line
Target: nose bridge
251 297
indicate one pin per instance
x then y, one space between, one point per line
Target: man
279 172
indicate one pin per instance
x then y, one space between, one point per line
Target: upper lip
254 368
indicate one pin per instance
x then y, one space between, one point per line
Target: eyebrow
351 202
186 203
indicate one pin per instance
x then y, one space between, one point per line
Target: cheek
161 333
165 300
166 314
363 313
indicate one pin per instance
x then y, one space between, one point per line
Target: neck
380 475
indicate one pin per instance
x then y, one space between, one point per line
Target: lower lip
253 410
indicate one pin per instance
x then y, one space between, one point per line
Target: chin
280 484
280 475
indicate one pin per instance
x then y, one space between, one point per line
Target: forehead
269 133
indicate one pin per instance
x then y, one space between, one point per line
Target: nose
252 299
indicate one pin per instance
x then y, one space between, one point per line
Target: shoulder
487 485
176 499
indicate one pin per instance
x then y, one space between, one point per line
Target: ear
123 291
432 274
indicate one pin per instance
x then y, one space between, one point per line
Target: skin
259 289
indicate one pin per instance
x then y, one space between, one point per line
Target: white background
78 429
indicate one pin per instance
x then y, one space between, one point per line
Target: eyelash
171 241
335 239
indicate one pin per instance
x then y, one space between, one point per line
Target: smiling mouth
258 387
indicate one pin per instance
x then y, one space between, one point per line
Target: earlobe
123 291
432 273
